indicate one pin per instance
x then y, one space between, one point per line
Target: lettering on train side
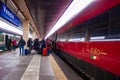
96 51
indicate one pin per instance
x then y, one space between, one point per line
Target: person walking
21 45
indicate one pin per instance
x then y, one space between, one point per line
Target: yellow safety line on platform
57 70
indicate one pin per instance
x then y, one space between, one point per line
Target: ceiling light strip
75 7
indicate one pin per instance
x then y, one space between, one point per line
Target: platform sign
7 14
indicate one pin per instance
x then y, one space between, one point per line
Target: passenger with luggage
29 45
47 49
43 45
48 46
21 45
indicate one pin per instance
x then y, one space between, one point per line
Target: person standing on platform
29 45
43 45
9 44
21 45
14 44
36 45
48 46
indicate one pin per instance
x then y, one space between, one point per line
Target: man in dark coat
21 45
29 44
36 45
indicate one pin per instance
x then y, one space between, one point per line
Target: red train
91 41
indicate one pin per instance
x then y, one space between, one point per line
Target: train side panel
93 46
97 53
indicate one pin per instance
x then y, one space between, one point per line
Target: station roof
43 14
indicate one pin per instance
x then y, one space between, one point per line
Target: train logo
95 53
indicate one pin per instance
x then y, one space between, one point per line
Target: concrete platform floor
12 66
34 67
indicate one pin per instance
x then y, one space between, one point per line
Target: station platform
34 67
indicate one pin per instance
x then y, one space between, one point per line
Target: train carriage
92 46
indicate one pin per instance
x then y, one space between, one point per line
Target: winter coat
29 43
36 45
21 42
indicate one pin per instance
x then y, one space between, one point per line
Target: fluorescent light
75 7
76 39
97 38
10 28
102 38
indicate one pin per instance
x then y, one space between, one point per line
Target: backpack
22 42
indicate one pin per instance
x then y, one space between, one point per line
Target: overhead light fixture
75 7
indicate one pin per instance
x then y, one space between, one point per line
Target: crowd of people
40 45
11 44
37 45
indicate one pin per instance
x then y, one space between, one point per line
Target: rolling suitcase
26 51
44 51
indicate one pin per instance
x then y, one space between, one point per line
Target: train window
98 27
77 33
61 37
105 26
114 29
115 11
1 38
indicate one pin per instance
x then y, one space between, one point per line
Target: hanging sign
7 14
